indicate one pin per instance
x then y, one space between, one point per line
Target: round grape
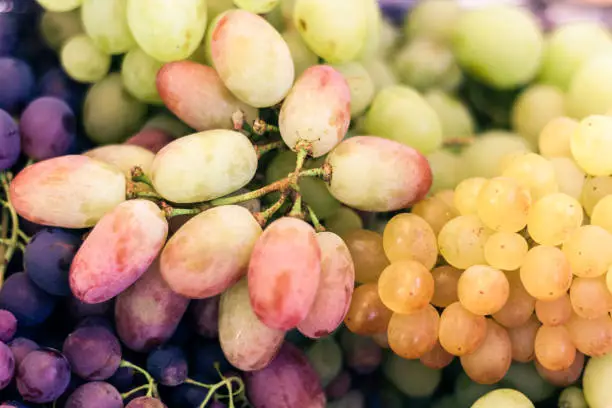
43 376
553 218
483 290
29 304
8 325
461 332
522 339
491 361
10 145
367 252
519 306
412 335
546 273
462 240
367 314
410 237
104 395
94 352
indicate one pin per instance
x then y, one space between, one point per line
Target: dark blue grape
123 379
56 83
168 365
9 32
187 395
16 82
94 352
204 358
97 394
205 315
7 365
80 310
47 259
25 300
10 141
145 402
47 128
8 325
43 376
21 347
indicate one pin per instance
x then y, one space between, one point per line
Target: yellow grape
592 337
124 157
563 378
483 290
437 358
522 339
367 314
554 139
590 297
491 361
546 273
445 285
534 172
594 189
58 5
345 219
602 213
367 252
466 195
552 218
507 397
554 348
448 196
408 236
554 312
435 212
412 335
569 176
589 251
405 286
503 204
591 145
519 306
461 241
105 22
83 61
590 80
433 19
505 250
461 331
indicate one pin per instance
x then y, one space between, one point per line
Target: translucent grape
435 19
409 237
406 286
445 285
554 348
412 335
43 376
437 358
257 78
594 382
534 172
124 157
83 61
554 312
381 73
569 176
343 221
102 392
554 138
522 339
503 204
392 116
316 110
105 22
454 115
411 377
508 397
461 332
565 377
466 195
302 56
368 254
94 352
590 297
546 273
602 213
520 305
60 5
593 190
367 314
483 290
139 73
445 166
484 157
505 250
592 337
435 212
491 361
461 241
586 82
573 397
57 27
360 84
590 144
553 218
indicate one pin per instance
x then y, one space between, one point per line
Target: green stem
251 195
29 162
23 236
199 384
315 219
134 391
296 210
10 250
317 172
152 388
264 216
175 212
147 195
263 149
260 127
139 176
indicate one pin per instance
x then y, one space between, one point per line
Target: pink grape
210 252
335 288
375 174
148 312
151 139
247 343
284 273
145 402
70 191
196 94
118 251
317 110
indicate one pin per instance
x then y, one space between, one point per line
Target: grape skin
554 348
103 393
491 361
483 290
94 353
151 139
367 252
30 304
409 237
554 312
367 314
461 241
522 339
546 273
406 286
105 22
519 306
412 335
43 376
7 365
563 378
461 332
124 157
83 61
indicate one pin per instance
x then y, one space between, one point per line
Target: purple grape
8 325
97 394
96 321
47 128
187 396
16 82
10 141
8 33
145 402
80 310
168 365
47 259
13 404
56 83
205 315
43 376
25 300
21 347
7 365
94 352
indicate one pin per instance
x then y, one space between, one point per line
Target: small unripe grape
410 237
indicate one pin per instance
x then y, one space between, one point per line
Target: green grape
381 73
504 397
468 391
179 27
360 84
124 157
216 7
373 30
595 381
400 113
57 27
257 6
303 57
388 41
336 31
590 92
60 5
572 397
499 44
139 75
412 377
325 355
534 108
456 119
425 64
524 377
434 19
568 47
83 61
110 114
276 19
445 167
168 124
105 21
343 220
591 145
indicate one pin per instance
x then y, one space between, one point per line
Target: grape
367 253
590 297
554 138
592 337
601 213
79 310
466 195
302 56
142 328
231 167
434 19
374 174
411 377
437 358
409 237
594 382
335 40
572 397
25 300
554 348
205 316
10 147
505 397
546 273
9 33
491 361
57 27
534 172
339 386
406 286
483 290
105 22
483 158
435 212
151 139
257 6
555 312
589 144
360 84
522 339
503 204
43 376
16 82
247 343
83 61
553 218
445 285
316 110
461 332
352 399
373 44
288 381
335 289
381 73
60 5
21 347
94 353
445 167
569 176
104 395
519 306
124 157
343 221
167 123
566 377
505 250
587 82
148 402
168 365
54 82
258 79
139 75
593 190
392 116
8 325
196 94
499 44
367 314
7 365
461 241
362 354
412 335
326 358
454 115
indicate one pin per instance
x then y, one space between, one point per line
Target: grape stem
23 236
315 220
134 391
263 216
151 386
263 149
139 176
296 210
12 244
260 127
